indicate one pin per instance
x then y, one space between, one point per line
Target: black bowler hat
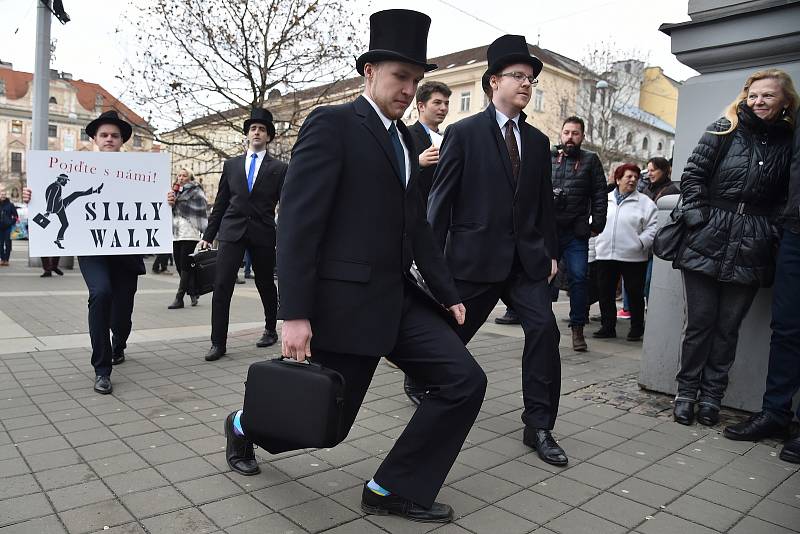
397 35
260 116
63 176
508 50
110 117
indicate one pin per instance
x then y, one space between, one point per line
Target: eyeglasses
521 77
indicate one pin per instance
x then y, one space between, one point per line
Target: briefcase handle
292 361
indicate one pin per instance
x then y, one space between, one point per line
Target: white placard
98 203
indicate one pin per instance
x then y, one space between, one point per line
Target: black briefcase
41 220
290 405
202 272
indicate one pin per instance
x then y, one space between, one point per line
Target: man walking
579 192
111 280
57 204
491 209
8 218
243 218
352 222
433 104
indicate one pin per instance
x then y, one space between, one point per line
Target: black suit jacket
349 231
238 212
421 143
480 217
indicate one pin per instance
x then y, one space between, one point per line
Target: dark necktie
251 173
398 151
513 150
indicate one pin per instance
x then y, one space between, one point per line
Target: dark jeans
112 286
428 351
714 313
5 243
633 276
229 258
574 253
783 377
248 263
180 253
50 263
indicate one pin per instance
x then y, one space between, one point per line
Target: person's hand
203 244
595 233
171 198
459 312
296 339
26 195
553 271
429 157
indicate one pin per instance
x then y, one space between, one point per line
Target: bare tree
201 65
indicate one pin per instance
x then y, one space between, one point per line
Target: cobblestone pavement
150 458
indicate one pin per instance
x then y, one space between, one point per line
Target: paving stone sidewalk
150 458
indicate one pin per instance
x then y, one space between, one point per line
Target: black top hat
508 50
261 116
397 35
110 117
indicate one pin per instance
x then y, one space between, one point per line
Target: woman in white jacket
623 249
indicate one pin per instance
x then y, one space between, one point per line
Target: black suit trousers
541 361
429 351
229 259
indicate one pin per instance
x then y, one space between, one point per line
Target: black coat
791 216
479 217
238 212
722 243
8 214
583 181
350 229
422 141
664 188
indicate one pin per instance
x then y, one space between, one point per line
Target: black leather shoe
683 412
58 271
546 447
215 353
605 333
268 338
176 304
102 385
194 299
508 318
791 451
118 357
372 503
414 391
707 415
239 450
635 334
757 427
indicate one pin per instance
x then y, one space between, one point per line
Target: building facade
73 104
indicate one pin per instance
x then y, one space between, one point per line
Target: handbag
669 238
291 405
202 272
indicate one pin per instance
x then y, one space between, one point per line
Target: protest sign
98 203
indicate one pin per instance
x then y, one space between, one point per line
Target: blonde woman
732 186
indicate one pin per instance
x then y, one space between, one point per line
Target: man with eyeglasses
491 209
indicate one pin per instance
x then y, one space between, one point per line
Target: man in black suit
243 219
352 222
433 104
491 209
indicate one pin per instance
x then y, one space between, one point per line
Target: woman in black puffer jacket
734 182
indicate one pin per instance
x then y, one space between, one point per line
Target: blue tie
251 173
398 151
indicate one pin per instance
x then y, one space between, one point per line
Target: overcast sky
90 48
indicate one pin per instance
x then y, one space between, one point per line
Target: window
52 130
538 100
629 138
465 100
137 141
564 107
645 143
16 162
612 133
16 127
628 68
660 146
84 136
52 100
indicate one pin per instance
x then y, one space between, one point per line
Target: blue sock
376 489
237 424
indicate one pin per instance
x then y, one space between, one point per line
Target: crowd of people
483 211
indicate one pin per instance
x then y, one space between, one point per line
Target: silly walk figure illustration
58 205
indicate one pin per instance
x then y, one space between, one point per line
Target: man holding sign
111 279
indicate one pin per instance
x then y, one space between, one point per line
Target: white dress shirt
387 122
502 120
249 158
